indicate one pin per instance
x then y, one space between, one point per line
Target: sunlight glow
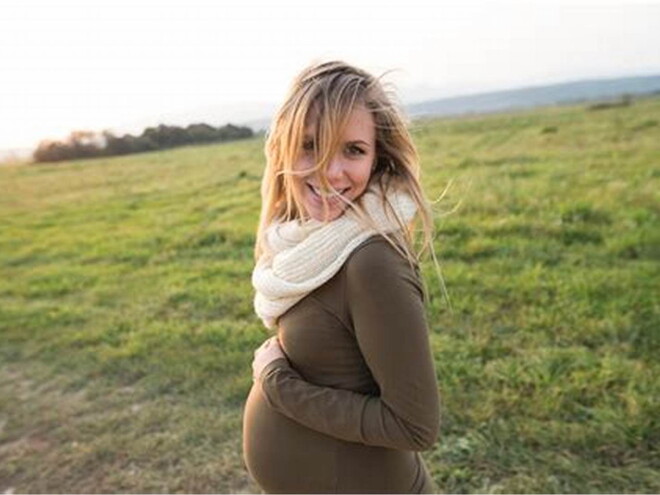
124 65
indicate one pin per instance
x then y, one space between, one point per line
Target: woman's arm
385 303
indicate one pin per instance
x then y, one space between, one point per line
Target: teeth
317 191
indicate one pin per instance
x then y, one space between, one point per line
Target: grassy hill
127 330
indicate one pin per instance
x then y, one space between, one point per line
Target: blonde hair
329 91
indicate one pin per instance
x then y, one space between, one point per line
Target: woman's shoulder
376 267
375 246
375 257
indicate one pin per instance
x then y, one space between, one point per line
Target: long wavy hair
328 92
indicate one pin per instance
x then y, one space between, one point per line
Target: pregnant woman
345 393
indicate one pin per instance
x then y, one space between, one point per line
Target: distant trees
79 144
624 101
87 144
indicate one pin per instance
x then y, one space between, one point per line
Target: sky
125 64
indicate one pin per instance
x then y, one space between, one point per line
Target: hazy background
124 65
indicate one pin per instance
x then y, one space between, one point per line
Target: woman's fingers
264 344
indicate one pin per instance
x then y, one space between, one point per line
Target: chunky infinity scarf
305 255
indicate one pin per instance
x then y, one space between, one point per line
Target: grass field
127 329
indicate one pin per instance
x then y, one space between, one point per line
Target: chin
333 214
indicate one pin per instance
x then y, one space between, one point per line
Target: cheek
303 167
361 175
302 164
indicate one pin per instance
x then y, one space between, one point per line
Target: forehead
360 124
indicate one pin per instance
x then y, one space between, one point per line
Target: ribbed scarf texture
304 255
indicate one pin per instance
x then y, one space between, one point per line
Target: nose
335 169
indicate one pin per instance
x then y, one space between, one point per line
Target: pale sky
126 64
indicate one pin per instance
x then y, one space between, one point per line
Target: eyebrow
357 141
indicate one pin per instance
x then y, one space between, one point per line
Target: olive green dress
357 398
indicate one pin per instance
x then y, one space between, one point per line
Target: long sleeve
385 303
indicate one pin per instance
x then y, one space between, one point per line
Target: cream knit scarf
305 255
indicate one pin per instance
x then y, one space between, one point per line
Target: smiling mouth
317 192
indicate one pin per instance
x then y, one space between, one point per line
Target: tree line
89 144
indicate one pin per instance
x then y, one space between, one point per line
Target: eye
308 145
355 150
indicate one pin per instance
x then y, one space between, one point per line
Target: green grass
127 327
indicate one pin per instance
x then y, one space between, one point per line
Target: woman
345 393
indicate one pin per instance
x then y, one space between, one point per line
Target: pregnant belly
282 455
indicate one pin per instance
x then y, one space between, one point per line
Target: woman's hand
267 352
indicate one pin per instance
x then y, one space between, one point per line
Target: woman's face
349 170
